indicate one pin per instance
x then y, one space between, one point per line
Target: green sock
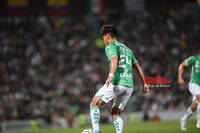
118 122
95 115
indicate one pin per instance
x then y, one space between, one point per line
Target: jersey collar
112 42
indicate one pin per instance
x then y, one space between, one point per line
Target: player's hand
108 81
198 1
146 89
181 81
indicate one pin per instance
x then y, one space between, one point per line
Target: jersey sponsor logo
127 75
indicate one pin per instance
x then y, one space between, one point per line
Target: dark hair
109 28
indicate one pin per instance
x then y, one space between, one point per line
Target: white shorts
121 94
194 90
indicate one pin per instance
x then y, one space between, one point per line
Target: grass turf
143 127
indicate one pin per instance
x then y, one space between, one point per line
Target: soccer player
194 88
119 84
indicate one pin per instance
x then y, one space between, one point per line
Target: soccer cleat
89 130
183 124
95 132
198 124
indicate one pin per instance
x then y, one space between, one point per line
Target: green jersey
124 73
195 62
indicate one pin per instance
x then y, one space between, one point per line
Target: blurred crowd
52 66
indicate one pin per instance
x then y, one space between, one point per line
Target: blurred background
52 58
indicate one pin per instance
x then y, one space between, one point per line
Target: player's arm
180 72
113 65
189 61
113 68
141 74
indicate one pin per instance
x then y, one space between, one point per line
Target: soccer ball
89 130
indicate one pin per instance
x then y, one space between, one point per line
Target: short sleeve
190 60
133 59
111 51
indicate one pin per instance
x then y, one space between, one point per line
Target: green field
144 127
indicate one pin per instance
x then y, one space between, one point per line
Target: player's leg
192 108
117 120
118 106
198 112
96 101
104 95
95 113
190 111
196 91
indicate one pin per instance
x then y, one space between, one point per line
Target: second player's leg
194 90
118 106
115 112
194 106
198 111
118 122
190 110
